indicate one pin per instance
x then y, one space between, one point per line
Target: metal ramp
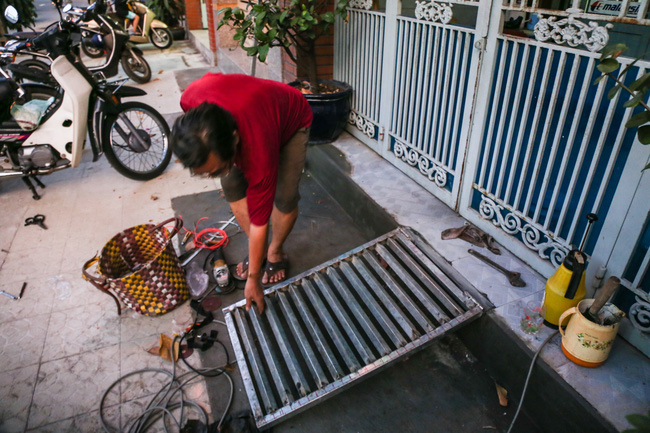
328 328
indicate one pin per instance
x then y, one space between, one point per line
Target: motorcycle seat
30 73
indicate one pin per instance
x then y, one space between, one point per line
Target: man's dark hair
201 130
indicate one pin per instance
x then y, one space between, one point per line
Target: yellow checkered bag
140 266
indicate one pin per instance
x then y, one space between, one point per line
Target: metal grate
331 326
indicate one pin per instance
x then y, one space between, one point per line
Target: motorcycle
114 38
149 30
113 41
133 136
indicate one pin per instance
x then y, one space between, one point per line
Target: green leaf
638 119
639 421
599 79
644 169
613 91
283 15
328 17
636 100
608 66
642 83
251 51
644 138
224 10
261 15
613 51
263 52
238 36
627 68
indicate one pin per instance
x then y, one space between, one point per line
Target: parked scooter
149 28
133 135
116 47
108 38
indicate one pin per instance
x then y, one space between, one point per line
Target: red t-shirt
268 114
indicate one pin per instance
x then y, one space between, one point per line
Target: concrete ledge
332 172
549 401
200 40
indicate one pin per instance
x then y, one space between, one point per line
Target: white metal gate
414 85
506 128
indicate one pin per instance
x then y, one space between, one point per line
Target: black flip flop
272 267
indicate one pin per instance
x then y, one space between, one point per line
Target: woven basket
140 266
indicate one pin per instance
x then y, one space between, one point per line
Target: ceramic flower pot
584 342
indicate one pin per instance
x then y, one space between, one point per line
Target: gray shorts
292 162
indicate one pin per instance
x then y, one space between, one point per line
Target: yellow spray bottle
566 287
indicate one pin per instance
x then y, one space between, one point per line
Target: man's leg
285 211
234 189
281 226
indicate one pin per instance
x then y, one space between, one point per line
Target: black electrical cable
161 405
217 372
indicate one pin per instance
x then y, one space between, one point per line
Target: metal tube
363 319
365 293
330 326
305 348
348 326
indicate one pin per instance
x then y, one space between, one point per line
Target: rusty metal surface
336 324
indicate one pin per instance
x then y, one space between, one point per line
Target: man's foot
241 271
275 272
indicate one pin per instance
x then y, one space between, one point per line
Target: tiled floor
63 344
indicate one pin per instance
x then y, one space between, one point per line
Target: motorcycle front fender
158 24
124 91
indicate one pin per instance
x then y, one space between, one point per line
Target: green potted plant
295 26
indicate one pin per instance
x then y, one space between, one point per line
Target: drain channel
336 324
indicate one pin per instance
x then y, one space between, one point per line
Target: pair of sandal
269 268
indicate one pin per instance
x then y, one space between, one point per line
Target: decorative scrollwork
639 313
532 237
360 4
362 124
432 11
428 168
573 32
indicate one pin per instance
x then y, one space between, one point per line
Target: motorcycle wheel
161 37
91 51
124 152
136 67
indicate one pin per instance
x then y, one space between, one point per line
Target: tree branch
623 86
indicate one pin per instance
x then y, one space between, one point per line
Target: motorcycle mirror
11 14
67 8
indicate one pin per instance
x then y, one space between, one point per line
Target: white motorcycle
133 135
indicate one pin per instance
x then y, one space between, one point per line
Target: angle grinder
220 273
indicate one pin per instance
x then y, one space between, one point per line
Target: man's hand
254 293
